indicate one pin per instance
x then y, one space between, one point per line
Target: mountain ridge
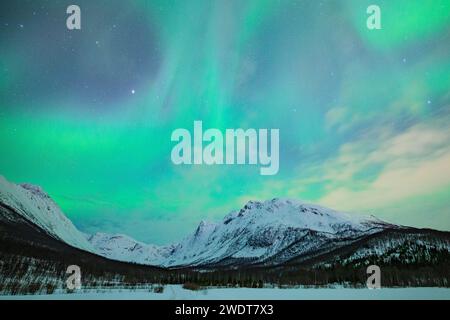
276 232
35 205
212 242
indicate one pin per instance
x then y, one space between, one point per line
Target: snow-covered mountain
269 232
123 248
36 206
271 241
273 232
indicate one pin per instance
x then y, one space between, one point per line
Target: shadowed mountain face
271 241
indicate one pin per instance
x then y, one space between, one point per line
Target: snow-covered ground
176 292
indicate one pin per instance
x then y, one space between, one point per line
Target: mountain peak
37 191
298 214
204 227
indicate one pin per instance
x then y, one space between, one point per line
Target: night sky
363 114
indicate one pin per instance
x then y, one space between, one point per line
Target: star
132 91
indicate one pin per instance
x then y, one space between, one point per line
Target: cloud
334 116
341 119
384 172
393 184
412 163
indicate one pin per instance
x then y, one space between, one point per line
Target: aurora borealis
363 114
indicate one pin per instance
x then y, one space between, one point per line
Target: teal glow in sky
363 114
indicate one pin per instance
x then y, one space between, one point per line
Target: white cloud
392 185
412 163
383 173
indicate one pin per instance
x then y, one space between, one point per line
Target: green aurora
363 114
